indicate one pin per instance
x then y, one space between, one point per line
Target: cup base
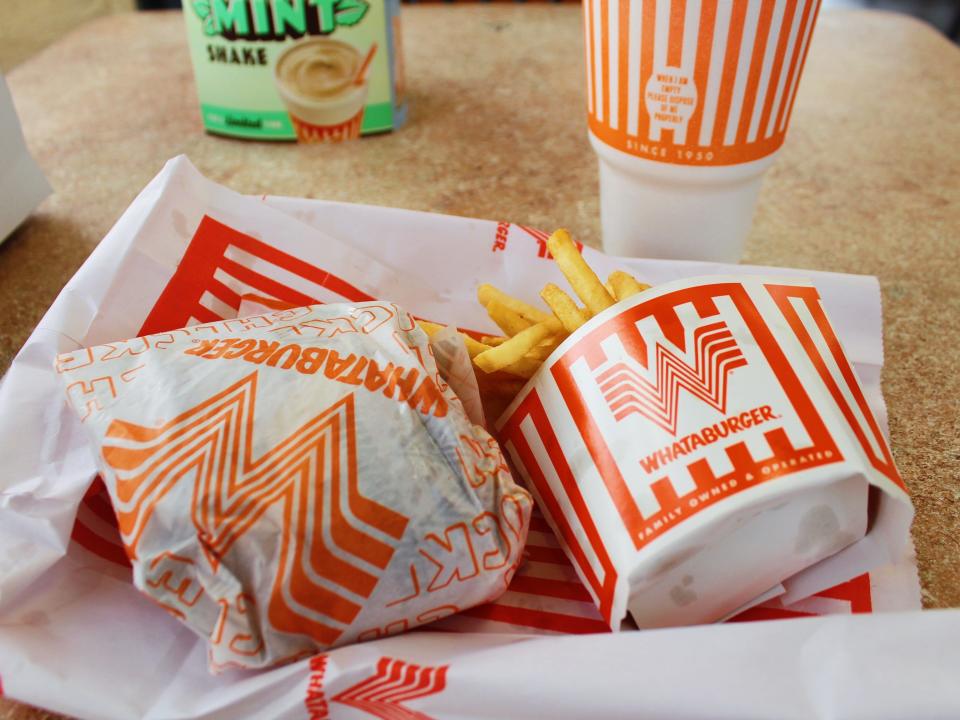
311 133
646 217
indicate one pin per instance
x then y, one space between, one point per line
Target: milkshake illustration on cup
323 84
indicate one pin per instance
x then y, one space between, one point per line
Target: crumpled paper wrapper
77 637
292 481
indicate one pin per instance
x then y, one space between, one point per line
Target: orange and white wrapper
296 480
78 637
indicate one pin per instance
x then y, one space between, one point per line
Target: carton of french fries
697 447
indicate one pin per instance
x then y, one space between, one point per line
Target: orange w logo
715 355
395 682
329 561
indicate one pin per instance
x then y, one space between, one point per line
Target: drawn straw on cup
361 77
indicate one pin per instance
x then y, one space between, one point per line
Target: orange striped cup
688 100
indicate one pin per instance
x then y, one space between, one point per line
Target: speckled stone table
868 182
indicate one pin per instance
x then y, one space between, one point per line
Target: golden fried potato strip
510 353
487 293
524 368
581 277
510 321
493 340
474 347
532 334
430 328
564 307
624 285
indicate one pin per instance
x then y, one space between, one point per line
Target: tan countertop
868 181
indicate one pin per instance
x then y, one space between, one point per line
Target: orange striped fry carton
699 445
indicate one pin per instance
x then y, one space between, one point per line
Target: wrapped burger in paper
297 480
698 444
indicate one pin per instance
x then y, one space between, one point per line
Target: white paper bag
22 184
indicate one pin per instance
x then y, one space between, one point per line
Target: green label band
276 125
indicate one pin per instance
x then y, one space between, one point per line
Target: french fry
531 334
542 351
524 368
510 321
493 340
488 293
430 328
563 307
581 277
509 354
474 347
623 285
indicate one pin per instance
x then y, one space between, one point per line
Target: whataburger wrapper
699 443
76 635
289 482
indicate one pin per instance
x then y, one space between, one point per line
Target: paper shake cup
322 85
688 102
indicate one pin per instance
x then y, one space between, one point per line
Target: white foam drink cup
688 103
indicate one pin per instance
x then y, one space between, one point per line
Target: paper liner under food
64 576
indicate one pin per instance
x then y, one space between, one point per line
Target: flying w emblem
395 682
328 559
715 354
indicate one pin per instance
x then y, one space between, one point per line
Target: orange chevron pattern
394 683
716 355
312 474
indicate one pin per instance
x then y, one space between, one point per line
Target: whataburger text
394 382
706 436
